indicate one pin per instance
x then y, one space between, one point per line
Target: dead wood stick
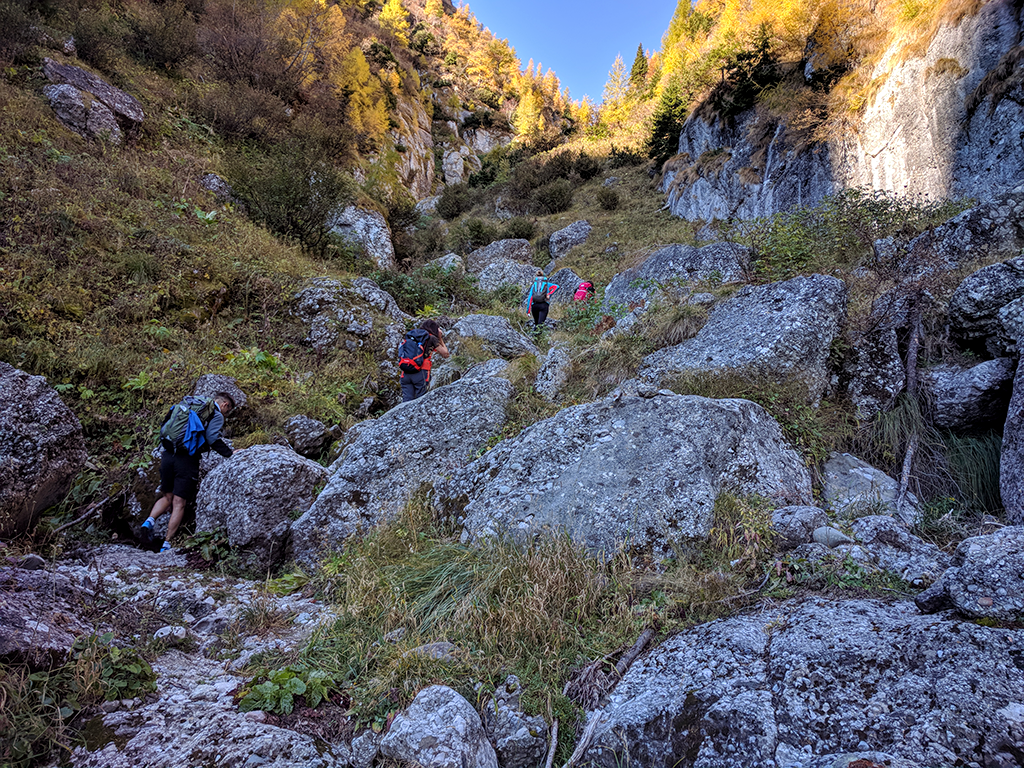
630 656
554 743
90 511
584 742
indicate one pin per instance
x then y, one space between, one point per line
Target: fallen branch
584 742
554 743
631 655
90 511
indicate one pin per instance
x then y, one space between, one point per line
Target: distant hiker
584 292
414 358
190 428
537 301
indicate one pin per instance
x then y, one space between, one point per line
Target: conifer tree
638 74
613 108
394 19
667 122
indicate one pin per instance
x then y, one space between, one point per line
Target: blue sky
577 39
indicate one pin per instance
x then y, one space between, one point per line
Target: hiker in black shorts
179 466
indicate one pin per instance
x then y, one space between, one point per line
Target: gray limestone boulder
105 112
553 373
989 230
873 371
210 384
495 333
640 472
519 739
307 436
972 399
440 729
386 460
816 684
87 117
564 240
796 525
1011 459
783 331
984 578
350 316
893 548
451 262
367 228
676 264
852 488
513 250
256 496
567 282
42 449
502 272
40 616
976 303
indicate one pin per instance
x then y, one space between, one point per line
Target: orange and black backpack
412 356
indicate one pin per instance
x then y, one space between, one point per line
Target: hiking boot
166 547
146 531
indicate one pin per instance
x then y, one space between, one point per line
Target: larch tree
394 19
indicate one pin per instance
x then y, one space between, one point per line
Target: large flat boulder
386 460
117 115
350 316
42 449
819 684
515 249
642 472
782 330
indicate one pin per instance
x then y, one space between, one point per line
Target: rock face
916 136
984 578
255 496
41 449
440 729
387 459
564 240
350 315
970 399
721 174
721 262
1011 460
881 684
370 230
416 163
110 113
496 334
783 330
513 250
976 303
641 472
874 372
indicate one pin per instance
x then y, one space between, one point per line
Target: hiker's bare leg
161 506
177 513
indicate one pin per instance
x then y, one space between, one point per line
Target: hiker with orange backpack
414 358
190 428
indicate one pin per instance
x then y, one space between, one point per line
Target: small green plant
607 198
287 583
277 692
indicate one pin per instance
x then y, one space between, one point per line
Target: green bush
519 228
554 197
587 167
607 198
455 200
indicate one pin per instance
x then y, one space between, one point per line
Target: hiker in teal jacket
537 301
179 465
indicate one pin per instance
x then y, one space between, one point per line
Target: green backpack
175 429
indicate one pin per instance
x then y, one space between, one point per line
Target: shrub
165 34
587 167
607 198
625 156
455 200
554 197
519 228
